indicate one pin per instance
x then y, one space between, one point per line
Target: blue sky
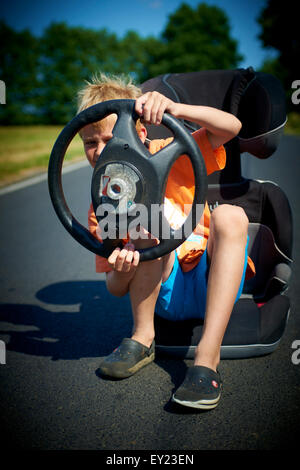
147 17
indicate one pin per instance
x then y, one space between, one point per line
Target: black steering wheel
127 179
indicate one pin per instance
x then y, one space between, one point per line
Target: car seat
259 317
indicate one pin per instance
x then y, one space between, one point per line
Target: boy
204 276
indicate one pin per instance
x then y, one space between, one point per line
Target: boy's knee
230 220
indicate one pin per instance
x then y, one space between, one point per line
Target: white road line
39 178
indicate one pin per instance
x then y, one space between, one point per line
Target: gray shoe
127 359
201 388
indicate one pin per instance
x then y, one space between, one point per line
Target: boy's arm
220 125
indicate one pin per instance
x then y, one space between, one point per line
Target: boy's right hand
152 105
124 260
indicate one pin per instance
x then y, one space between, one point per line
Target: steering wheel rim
133 154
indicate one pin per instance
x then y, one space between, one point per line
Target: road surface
58 321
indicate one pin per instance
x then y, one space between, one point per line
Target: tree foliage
18 69
42 75
68 56
280 31
196 39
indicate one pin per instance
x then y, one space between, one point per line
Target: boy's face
96 137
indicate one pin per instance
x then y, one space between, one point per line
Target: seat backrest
258 100
273 267
264 203
270 232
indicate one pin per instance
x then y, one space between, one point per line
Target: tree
280 31
68 56
196 39
18 69
42 75
71 55
138 54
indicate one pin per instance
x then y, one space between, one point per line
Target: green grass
293 124
25 150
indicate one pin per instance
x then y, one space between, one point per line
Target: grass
293 124
25 151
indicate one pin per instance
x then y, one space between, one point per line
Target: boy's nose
99 149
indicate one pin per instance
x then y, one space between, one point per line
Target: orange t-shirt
180 193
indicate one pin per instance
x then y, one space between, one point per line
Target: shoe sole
201 404
131 371
141 364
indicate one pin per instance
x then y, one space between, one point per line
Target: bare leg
144 289
226 251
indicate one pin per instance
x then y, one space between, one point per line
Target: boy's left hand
152 105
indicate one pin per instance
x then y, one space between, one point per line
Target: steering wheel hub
118 186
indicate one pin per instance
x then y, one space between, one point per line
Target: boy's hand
125 260
152 105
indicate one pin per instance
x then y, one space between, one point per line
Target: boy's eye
90 143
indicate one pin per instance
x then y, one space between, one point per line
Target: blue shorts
183 295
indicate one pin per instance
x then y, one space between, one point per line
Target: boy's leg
144 289
226 252
139 350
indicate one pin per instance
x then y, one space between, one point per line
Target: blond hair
103 87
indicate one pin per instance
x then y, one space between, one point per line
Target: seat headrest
262 112
256 98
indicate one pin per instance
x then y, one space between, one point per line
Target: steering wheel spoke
125 130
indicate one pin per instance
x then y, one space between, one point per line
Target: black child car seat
258 319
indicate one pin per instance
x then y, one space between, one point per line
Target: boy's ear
142 133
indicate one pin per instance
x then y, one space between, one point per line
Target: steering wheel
127 178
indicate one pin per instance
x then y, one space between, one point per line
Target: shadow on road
96 324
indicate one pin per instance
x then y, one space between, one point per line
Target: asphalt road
58 321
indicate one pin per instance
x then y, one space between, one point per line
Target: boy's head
103 88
